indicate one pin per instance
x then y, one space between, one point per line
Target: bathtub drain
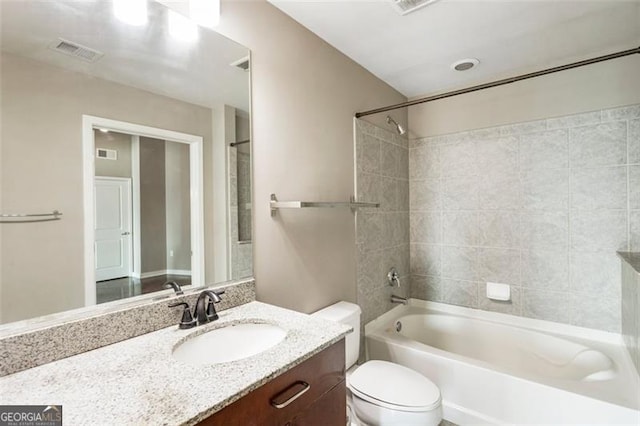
398 326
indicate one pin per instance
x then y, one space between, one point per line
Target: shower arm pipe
502 82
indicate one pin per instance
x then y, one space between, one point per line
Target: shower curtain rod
501 82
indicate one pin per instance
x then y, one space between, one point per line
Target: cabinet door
293 391
329 410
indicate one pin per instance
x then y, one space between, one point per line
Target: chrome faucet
398 299
206 313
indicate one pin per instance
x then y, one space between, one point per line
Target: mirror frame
89 123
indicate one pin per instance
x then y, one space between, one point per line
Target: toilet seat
394 386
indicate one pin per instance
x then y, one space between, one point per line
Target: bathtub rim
377 329
499 318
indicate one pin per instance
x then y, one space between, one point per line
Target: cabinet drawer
293 391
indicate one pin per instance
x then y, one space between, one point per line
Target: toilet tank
349 314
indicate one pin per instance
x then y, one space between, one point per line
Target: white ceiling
145 57
413 53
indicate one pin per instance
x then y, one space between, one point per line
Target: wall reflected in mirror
63 60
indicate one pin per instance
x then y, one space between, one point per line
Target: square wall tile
545 189
460 193
544 150
425 194
634 230
545 269
369 187
460 263
390 159
424 162
425 259
601 312
369 230
546 305
598 145
599 188
426 227
426 288
634 141
602 230
498 154
498 229
499 265
388 194
461 293
460 228
595 273
460 159
499 190
545 230
634 187
368 154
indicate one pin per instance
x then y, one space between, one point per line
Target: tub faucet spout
398 299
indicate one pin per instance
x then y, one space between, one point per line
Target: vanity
300 380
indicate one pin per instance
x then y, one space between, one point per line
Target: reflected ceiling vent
76 50
407 6
244 64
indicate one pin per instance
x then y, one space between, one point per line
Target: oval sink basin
230 343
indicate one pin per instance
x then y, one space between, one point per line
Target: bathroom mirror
133 126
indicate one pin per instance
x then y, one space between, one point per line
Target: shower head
399 128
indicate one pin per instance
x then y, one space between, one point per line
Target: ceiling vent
407 6
244 64
76 50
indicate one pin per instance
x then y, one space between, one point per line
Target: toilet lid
394 386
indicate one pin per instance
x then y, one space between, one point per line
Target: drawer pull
285 398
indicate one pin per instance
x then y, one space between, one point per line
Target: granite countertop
137 381
632 258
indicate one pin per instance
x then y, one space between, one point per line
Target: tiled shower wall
542 206
382 234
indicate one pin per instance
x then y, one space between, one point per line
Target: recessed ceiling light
103 130
132 12
464 64
181 28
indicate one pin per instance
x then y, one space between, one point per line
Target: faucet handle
211 309
187 320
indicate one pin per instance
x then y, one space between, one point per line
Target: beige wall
153 206
305 94
178 198
593 87
121 143
41 104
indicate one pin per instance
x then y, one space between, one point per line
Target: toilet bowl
382 393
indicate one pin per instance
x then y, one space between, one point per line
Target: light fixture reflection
132 12
181 28
205 12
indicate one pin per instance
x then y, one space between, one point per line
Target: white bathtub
500 369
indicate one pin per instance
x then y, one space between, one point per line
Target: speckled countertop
138 382
632 258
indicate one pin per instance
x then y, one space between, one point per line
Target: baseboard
151 274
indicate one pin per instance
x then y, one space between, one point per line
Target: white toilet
382 393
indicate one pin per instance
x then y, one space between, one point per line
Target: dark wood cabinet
311 393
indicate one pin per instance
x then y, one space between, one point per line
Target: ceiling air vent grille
76 50
407 6
244 64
